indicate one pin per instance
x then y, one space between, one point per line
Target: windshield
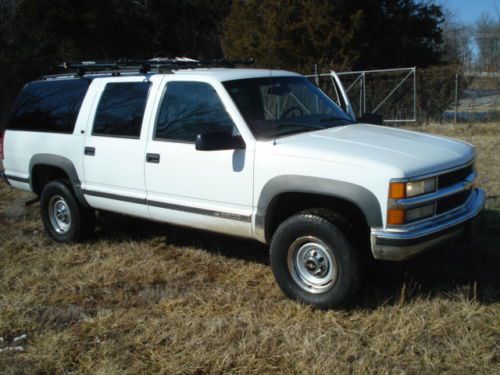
278 106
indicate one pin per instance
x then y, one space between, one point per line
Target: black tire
324 238
81 222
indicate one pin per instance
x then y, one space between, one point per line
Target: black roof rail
161 65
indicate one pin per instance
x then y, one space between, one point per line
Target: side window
120 110
189 108
49 106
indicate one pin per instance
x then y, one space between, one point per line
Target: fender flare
63 163
361 197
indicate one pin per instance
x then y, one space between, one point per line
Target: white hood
377 147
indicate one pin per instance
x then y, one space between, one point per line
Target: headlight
400 190
415 188
419 213
399 216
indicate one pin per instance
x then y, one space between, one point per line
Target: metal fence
407 95
476 98
390 92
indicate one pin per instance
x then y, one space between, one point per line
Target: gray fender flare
361 197
66 165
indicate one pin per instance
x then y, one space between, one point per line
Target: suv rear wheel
63 218
314 260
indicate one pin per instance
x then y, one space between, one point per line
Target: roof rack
161 65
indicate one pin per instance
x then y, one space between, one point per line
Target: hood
405 153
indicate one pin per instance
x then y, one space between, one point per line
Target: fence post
364 93
316 78
415 93
361 96
456 98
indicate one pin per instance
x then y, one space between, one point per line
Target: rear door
115 144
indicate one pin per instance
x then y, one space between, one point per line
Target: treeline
292 34
55 30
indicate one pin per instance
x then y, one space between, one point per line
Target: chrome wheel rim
312 264
59 214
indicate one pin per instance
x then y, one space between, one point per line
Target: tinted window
121 109
49 106
190 108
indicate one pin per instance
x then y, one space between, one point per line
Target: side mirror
371 118
219 140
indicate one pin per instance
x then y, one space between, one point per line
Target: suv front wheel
314 261
63 218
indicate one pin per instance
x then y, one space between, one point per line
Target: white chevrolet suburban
252 153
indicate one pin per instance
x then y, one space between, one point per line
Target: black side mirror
219 140
371 118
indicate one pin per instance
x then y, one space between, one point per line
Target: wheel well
288 204
42 174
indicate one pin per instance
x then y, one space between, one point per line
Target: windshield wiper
336 118
297 128
299 124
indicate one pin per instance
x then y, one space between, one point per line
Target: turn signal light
395 216
397 190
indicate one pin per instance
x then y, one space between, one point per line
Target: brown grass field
148 298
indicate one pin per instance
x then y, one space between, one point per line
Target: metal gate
389 92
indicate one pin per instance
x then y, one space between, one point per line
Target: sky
468 11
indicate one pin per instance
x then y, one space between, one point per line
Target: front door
205 189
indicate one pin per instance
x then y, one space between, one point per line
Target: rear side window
121 109
49 106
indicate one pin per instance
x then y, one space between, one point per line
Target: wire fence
442 94
388 91
477 98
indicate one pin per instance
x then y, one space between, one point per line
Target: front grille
452 178
451 202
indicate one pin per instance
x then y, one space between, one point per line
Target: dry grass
145 298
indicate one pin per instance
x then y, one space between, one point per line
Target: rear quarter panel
21 146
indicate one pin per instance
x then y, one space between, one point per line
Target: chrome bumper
403 244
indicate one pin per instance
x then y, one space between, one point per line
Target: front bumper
403 244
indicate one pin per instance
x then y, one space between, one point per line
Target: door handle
90 151
153 158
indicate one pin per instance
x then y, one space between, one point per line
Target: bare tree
457 40
487 36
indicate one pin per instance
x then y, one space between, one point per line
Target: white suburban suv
251 153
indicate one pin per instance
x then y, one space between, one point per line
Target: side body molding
66 165
357 195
